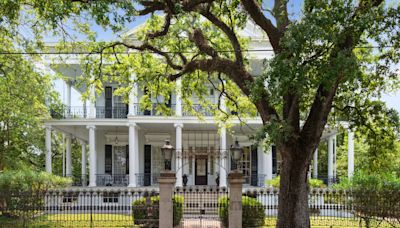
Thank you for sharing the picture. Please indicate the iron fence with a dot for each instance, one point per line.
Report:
(327, 208)
(194, 206)
(79, 208)
(201, 205)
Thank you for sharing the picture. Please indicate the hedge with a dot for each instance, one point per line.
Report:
(253, 212)
(139, 211)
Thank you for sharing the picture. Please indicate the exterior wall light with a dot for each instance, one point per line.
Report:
(236, 153)
(166, 151)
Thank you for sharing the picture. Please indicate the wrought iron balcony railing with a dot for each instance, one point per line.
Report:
(155, 109)
(147, 179)
(112, 179)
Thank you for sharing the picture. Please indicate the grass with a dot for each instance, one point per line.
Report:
(72, 220)
(324, 222)
(122, 220)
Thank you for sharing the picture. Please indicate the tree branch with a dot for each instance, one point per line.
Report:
(255, 12)
(229, 33)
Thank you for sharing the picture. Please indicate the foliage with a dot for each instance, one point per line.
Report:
(30, 181)
(313, 183)
(323, 58)
(22, 190)
(374, 195)
(140, 212)
(253, 212)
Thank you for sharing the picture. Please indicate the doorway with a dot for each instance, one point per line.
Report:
(201, 170)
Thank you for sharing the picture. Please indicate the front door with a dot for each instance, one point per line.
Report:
(201, 170)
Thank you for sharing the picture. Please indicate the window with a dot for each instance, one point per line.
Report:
(120, 160)
(244, 164)
(110, 197)
(70, 198)
(190, 161)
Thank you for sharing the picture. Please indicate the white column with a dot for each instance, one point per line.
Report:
(268, 164)
(92, 99)
(68, 83)
(133, 154)
(178, 106)
(68, 93)
(331, 142)
(178, 157)
(92, 156)
(83, 162)
(223, 158)
(350, 154)
(48, 149)
(262, 164)
(315, 164)
(68, 156)
(133, 97)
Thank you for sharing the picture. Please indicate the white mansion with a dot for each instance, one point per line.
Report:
(124, 140)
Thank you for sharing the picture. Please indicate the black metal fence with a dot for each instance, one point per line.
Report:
(194, 206)
(79, 208)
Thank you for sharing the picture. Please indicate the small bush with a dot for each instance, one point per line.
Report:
(253, 212)
(313, 183)
(21, 190)
(140, 213)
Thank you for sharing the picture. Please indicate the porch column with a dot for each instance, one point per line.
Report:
(350, 154)
(48, 149)
(92, 100)
(262, 165)
(83, 162)
(178, 106)
(133, 154)
(315, 164)
(68, 156)
(331, 145)
(178, 153)
(133, 97)
(92, 155)
(268, 164)
(223, 156)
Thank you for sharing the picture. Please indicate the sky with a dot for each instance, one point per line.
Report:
(392, 99)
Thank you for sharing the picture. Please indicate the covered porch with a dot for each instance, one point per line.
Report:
(128, 153)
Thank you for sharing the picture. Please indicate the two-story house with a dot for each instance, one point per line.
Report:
(124, 140)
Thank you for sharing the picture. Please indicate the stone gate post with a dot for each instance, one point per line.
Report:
(167, 181)
(236, 181)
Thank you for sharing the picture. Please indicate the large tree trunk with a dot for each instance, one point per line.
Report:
(293, 194)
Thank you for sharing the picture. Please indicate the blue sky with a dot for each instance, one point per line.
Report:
(391, 99)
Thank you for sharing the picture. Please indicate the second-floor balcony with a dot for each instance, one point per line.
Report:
(101, 112)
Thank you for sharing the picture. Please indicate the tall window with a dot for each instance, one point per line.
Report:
(245, 165)
(120, 160)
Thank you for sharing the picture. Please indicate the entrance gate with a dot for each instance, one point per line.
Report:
(201, 205)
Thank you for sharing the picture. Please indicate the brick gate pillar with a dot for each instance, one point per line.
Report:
(236, 181)
(166, 181)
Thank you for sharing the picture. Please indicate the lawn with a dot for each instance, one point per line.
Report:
(121, 220)
(73, 220)
(335, 222)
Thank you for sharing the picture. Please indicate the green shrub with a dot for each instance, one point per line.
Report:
(139, 211)
(253, 212)
(313, 183)
(374, 195)
(30, 181)
(21, 190)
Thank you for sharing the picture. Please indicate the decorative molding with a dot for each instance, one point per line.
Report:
(156, 137)
(122, 138)
(178, 125)
(91, 127)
